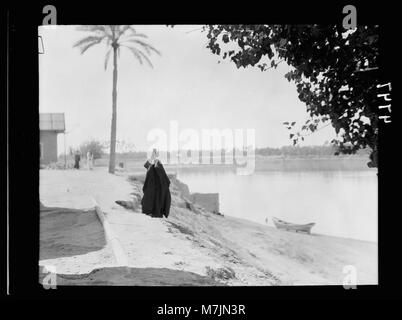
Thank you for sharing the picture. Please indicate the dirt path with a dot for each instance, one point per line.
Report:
(147, 242)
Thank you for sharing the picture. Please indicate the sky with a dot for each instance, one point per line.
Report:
(186, 85)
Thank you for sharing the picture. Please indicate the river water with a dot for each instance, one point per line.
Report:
(341, 203)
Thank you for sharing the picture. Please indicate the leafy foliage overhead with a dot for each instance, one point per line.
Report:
(335, 72)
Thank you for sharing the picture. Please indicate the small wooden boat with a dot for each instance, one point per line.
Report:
(280, 224)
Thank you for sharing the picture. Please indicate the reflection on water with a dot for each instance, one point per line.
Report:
(342, 203)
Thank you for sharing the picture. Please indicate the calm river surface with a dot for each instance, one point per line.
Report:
(341, 203)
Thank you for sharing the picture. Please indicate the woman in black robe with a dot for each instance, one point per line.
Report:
(156, 199)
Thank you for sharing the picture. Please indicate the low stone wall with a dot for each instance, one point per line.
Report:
(209, 201)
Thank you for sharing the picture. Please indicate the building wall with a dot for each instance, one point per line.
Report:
(48, 144)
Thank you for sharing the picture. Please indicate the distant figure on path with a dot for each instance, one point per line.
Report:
(77, 158)
(90, 158)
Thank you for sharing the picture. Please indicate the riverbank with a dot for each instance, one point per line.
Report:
(192, 246)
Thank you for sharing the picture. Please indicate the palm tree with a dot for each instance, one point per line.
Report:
(115, 37)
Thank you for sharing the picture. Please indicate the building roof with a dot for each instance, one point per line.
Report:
(51, 122)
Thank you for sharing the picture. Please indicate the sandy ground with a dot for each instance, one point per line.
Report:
(73, 240)
(188, 248)
(125, 276)
(147, 242)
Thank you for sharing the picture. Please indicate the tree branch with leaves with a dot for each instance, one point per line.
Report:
(335, 72)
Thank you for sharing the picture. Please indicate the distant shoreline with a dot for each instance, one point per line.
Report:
(274, 164)
(262, 163)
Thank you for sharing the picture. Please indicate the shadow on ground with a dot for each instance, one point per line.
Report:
(66, 232)
(125, 276)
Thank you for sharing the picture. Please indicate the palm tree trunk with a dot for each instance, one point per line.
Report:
(112, 159)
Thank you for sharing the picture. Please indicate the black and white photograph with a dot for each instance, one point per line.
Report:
(198, 154)
(208, 155)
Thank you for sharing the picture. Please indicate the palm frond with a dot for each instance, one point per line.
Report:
(129, 37)
(135, 52)
(129, 31)
(148, 48)
(132, 29)
(123, 29)
(86, 40)
(118, 35)
(142, 35)
(109, 41)
(88, 45)
(97, 31)
(109, 32)
(91, 28)
(114, 29)
(140, 55)
(145, 58)
(107, 58)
